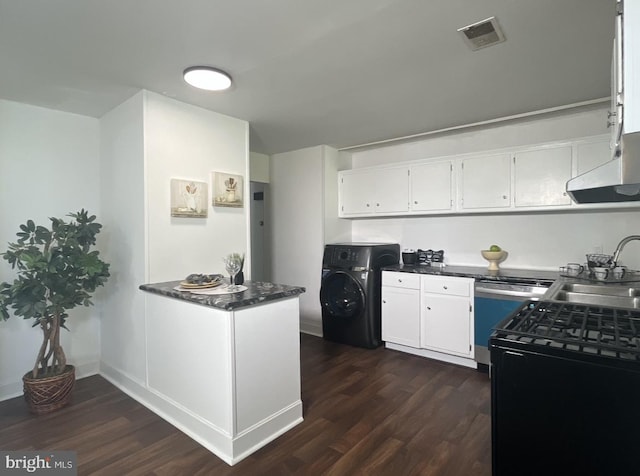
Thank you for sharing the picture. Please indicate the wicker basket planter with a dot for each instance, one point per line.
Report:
(48, 394)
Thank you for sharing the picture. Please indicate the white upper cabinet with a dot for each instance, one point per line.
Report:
(356, 195)
(591, 154)
(523, 178)
(540, 177)
(486, 182)
(369, 191)
(392, 190)
(432, 187)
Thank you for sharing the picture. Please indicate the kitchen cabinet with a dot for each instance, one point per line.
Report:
(432, 186)
(486, 182)
(446, 315)
(369, 191)
(540, 176)
(591, 154)
(401, 308)
(529, 178)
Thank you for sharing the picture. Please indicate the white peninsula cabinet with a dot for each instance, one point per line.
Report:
(430, 316)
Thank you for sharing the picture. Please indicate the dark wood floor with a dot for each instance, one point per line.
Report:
(370, 412)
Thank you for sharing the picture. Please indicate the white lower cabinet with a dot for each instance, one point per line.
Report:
(429, 315)
(446, 315)
(401, 308)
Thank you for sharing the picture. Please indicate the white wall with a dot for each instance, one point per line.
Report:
(533, 240)
(259, 167)
(49, 167)
(297, 216)
(569, 124)
(336, 230)
(123, 207)
(145, 142)
(188, 142)
(304, 211)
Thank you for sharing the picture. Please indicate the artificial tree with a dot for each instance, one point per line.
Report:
(57, 270)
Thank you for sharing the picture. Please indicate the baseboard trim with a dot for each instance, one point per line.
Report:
(14, 389)
(313, 328)
(452, 359)
(226, 447)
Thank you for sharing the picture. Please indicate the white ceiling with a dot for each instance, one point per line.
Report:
(309, 72)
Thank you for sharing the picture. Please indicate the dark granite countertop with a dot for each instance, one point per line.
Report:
(479, 272)
(257, 293)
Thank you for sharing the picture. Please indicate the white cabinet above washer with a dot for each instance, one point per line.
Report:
(432, 187)
(371, 191)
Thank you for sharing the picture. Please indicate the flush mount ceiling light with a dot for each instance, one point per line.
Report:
(206, 77)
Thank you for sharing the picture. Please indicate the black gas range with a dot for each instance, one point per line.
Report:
(566, 376)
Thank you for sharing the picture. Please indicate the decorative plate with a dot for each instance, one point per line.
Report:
(212, 284)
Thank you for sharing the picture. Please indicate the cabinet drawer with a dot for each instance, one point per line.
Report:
(401, 280)
(447, 286)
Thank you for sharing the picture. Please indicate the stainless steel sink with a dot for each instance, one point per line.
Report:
(600, 295)
(603, 289)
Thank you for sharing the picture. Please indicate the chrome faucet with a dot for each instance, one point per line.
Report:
(621, 245)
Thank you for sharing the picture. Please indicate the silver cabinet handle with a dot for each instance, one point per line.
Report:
(428, 308)
(445, 287)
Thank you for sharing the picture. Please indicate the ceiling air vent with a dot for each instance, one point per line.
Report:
(482, 34)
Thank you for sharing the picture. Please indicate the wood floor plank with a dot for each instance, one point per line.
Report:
(366, 411)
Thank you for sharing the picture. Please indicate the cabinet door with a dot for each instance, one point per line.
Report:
(356, 193)
(592, 154)
(541, 177)
(431, 187)
(486, 182)
(391, 190)
(401, 316)
(445, 324)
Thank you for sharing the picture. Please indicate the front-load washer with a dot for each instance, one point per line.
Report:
(350, 291)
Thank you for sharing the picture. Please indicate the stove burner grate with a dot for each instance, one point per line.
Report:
(604, 331)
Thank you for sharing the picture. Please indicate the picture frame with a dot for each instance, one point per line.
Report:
(228, 190)
(189, 198)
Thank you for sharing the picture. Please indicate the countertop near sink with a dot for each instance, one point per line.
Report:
(478, 272)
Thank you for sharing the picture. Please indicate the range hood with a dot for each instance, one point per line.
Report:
(616, 181)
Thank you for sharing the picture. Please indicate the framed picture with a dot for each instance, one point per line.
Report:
(189, 198)
(227, 190)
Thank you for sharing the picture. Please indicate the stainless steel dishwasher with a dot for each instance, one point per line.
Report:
(495, 299)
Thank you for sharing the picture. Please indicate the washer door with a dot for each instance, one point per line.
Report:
(341, 295)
